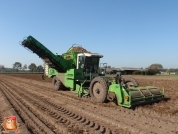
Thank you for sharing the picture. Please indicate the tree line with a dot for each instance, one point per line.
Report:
(32, 67)
(153, 69)
(17, 66)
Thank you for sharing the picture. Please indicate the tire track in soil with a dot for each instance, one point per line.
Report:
(145, 110)
(106, 119)
(167, 107)
(126, 115)
(69, 117)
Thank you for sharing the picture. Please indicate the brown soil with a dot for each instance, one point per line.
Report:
(44, 110)
(78, 49)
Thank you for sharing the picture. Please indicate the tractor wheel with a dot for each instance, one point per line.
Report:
(98, 89)
(130, 82)
(57, 84)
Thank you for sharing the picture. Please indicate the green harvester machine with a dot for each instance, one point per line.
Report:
(79, 71)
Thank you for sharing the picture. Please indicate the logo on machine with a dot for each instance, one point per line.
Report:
(68, 58)
(70, 75)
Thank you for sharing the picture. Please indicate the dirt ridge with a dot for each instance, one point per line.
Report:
(127, 117)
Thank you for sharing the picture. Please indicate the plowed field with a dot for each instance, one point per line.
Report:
(41, 110)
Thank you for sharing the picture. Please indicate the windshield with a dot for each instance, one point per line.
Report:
(89, 64)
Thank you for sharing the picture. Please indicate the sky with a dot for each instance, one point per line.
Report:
(128, 33)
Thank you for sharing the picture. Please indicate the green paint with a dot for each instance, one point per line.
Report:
(78, 80)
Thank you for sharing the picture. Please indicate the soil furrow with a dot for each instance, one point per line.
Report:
(127, 116)
(33, 123)
(60, 111)
(6, 110)
(106, 119)
(123, 118)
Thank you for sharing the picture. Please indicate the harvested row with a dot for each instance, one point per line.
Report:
(32, 123)
(151, 110)
(6, 109)
(39, 107)
(123, 118)
(170, 84)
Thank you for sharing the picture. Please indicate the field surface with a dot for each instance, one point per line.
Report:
(41, 110)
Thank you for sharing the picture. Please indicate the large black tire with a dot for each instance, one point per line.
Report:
(130, 82)
(57, 84)
(98, 90)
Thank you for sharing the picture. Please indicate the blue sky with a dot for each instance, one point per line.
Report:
(129, 33)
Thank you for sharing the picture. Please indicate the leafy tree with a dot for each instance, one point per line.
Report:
(24, 67)
(40, 68)
(176, 70)
(152, 72)
(156, 66)
(173, 70)
(154, 69)
(32, 67)
(164, 69)
(17, 66)
(1, 67)
(139, 72)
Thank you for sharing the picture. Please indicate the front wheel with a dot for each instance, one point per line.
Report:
(98, 89)
(57, 84)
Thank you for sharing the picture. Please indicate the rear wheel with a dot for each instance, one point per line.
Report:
(130, 82)
(57, 84)
(98, 90)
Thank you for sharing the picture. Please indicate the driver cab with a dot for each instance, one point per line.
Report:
(89, 62)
